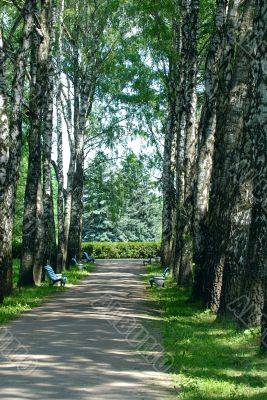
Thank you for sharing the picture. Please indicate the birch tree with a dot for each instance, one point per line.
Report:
(67, 113)
(60, 175)
(206, 132)
(232, 95)
(169, 156)
(11, 138)
(4, 156)
(33, 229)
(181, 262)
(168, 176)
(253, 180)
(49, 222)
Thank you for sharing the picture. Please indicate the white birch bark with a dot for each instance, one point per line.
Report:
(60, 203)
(50, 238)
(7, 208)
(181, 260)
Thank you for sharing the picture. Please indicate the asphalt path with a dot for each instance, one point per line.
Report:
(98, 340)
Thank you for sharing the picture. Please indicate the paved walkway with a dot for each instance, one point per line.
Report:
(96, 341)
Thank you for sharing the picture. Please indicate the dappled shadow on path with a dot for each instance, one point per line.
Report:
(80, 353)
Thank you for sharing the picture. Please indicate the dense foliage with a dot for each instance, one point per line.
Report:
(121, 202)
(122, 249)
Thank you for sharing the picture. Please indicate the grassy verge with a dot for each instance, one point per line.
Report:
(27, 298)
(211, 360)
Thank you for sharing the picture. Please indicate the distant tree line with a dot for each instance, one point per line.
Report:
(121, 203)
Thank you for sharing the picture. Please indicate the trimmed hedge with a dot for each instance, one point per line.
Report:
(122, 249)
(112, 249)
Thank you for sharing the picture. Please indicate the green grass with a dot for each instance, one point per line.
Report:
(27, 298)
(211, 360)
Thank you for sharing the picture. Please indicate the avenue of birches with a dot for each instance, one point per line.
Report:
(84, 82)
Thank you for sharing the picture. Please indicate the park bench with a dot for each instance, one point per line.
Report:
(75, 263)
(159, 280)
(87, 258)
(147, 261)
(54, 278)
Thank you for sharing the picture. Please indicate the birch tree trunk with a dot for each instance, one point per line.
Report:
(254, 181)
(11, 147)
(259, 246)
(67, 210)
(40, 233)
(186, 142)
(49, 224)
(32, 195)
(68, 192)
(254, 283)
(186, 266)
(206, 133)
(232, 94)
(70, 232)
(60, 195)
(180, 143)
(4, 157)
(4, 126)
(168, 185)
(86, 101)
(168, 176)
(242, 169)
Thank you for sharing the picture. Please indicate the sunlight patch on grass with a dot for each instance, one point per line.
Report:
(212, 360)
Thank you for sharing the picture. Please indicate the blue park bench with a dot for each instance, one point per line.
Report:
(87, 258)
(53, 278)
(147, 261)
(159, 280)
(74, 263)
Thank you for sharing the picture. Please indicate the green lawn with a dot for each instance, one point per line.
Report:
(28, 298)
(212, 360)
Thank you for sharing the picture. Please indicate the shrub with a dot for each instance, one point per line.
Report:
(112, 249)
(122, 249)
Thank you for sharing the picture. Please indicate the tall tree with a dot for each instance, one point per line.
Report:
(11, 145)
(181, 261)
(168, 177)
(60, 173)
(49, 222)
(207, 126)
(67, 113)
(4, 156)
(254, 177)
(232, 95)
(32, 249)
